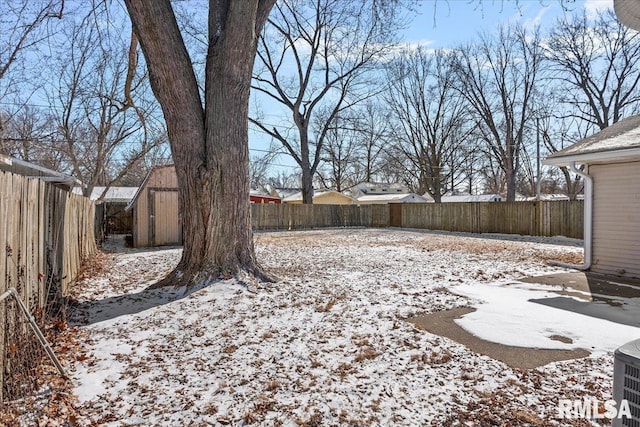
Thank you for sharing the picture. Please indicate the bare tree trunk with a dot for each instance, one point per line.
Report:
(574, 186)
(210, 145)
(510, 176)
(307, 181)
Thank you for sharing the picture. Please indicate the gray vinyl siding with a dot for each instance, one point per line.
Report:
(616, 219)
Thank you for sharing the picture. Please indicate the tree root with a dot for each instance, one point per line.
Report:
(192, 277)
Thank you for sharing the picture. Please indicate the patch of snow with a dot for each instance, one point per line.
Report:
(514, 314)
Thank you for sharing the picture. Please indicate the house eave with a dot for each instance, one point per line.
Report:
(628, 12)
(597, 157)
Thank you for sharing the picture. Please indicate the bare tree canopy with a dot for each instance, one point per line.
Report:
(498, 78)
(93, 115)
(102, 116)
(22, 27)
(599, 66)
(430, 118)
(312, 60)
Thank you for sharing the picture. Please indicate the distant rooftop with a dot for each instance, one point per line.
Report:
(371, 188)
(472, 198)
(392, 198)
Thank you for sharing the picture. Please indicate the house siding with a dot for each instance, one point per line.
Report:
(332, 199)
(326, 199)
(616, 224)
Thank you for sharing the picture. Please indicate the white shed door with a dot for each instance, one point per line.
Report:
(616, 219)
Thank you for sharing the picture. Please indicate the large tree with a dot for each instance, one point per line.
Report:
(498, 76)
(208, 132)
(431, 123)
(312, 61)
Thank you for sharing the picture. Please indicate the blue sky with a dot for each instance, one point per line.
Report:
(448, 23)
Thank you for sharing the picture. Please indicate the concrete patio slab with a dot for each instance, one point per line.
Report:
(442, 323)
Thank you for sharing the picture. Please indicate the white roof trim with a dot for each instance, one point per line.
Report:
(587, 158)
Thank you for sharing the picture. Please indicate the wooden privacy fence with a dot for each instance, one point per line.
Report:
(558, 218)
(45, 234)
(294, 217)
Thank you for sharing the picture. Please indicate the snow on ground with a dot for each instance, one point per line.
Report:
(327, 344)
(530, 323)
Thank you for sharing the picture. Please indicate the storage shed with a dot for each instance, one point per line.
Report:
(156, 217)
(611, 160)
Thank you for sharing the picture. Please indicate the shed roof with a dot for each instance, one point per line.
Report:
(22, 167)
(144, 183)
(114, 194)
(616, 142)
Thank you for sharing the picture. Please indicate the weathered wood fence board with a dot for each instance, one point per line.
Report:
(45, 234)
(297, 217)
(558, 218)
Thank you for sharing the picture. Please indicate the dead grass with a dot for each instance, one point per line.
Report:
(327, 307)
(367, 353)
(440, 358)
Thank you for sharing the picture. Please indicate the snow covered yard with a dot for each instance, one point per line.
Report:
(328, 343)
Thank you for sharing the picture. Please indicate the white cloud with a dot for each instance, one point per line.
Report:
(593, 7)
(413, 45)
(538, 19)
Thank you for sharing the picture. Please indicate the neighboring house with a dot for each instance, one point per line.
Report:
(156, 215)
(257, 196)
(282, 193)
(472, 198)
(31, 170)
(381, 199)
(374, 188)
(611, 170)
(373, 193)
(325, 197)
(547, 198)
